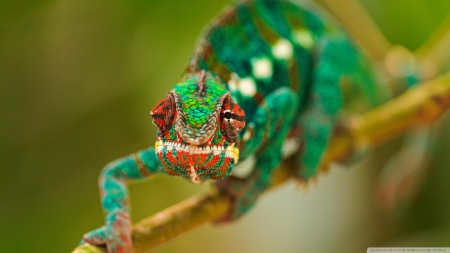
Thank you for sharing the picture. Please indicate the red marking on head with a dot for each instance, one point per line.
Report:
(164, 113)
(232, 119)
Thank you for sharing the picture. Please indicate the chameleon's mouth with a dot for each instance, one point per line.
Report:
(196, 162)
(230, 151)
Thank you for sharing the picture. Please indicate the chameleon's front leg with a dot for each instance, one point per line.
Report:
(116, 234)
(263, 138)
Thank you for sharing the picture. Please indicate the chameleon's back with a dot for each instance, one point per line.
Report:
(258, 46)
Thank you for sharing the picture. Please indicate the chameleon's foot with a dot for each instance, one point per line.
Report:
(95, 237)
(243, 193)
(116, 235)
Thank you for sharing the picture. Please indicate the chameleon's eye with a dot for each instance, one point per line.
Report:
(232, 119)
(227, 115)
(163, 114)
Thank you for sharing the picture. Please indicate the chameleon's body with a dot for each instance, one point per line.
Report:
(262, 72)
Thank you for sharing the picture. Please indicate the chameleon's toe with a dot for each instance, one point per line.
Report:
(116, 236)
(95, 237)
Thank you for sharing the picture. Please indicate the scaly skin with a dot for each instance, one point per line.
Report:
(263, 71)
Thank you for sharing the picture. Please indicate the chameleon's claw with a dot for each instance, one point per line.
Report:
(95, 237)
(116, 236)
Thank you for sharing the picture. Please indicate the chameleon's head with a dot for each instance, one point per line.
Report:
(198, 125)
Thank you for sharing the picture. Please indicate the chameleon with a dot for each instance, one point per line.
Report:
(268, 79)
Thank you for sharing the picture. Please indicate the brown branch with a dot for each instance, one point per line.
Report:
(419, 106)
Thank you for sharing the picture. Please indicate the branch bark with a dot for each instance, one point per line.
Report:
(419, 106)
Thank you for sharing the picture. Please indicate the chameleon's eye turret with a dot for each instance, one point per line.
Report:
(164, 114)
(232, 119)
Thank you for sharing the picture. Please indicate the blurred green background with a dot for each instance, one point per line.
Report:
(77, 82)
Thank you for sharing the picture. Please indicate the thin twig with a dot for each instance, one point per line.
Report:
(419, 106)
(430, 58)
(357, 21)
(434, 54)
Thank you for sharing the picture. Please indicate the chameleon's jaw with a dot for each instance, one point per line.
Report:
(231, 151)
(196, 162)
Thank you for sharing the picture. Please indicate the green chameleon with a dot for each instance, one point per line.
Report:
(268, 79)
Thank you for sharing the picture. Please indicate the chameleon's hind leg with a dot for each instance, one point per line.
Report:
(269, 126)
(324, 102)
(403, 174)
(116, 234)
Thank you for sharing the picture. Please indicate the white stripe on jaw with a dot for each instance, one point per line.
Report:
(231, 151)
